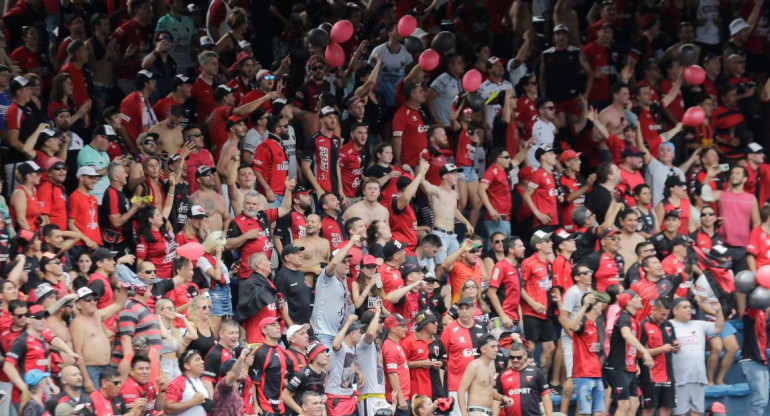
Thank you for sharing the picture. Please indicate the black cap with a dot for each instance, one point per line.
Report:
(681, 240)
(180, 80)
(412, 267)
(561, 235)
(368, 316)
(423, 318)
(291, 249)
(448, 168)
(204, 170)
(102, 253)
(277, 106)
(674, 180)
(632, 151)
(543, 150)
(28, 167)
(18, 82)
(105, 130)
(673, 214)
(327, 111)
(392, 247)
(465, 301)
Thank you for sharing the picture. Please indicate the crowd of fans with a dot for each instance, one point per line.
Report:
(202, 214)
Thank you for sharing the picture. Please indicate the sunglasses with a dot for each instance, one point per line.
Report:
(36, 316)
(115, 383)
(269, 77)
(473, 251)
(371, 266)
(516, 357)
(199, 134)
(149, 271)
(88, 299)
(188, 353)
(707, 214)
(506, 157)
(498, 241)
(148, 142)
(60, 168)
(314, 68)
(20, 315)
(166, 38)
(470, 287)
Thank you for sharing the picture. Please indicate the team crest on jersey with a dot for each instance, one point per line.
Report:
(668, 331)
(529, 379)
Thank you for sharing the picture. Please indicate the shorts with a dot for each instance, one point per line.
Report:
(757, 63)
(623, 383)
(566, 349)
(727, 331)
(689, 397)
(590, 395)
(538, 330)
(221, 301)
(657, 395)
(370, 405)
(572, 106)
(468, 174)
(341, 405)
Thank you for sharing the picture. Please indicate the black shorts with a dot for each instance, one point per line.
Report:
(657, 395)
(538, 330)
(622, 383)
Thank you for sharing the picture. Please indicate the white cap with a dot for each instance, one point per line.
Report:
(419, 33)
(294, 329)
(87, 171)
(737, 25)
(84, 291)
(206, 40)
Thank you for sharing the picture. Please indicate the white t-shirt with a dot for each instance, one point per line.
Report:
(391, 70)
(189, 392)
(543, 133)
(486, 90)
(572, 302)
(656, 176)
(708, 10)
(204, 266)
(332, 304)
(689, 363)
(448, 87)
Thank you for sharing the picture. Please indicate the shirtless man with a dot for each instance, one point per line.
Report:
(443, 202)
(479, 382)
(240, 179)
(148, 147)
(212, 202)
(61, 312)
(564, 14)
(629, 236)
(170, 132)
(613, 117)
(236, 130)
(89, 338)
(368, 209)
(317, 248)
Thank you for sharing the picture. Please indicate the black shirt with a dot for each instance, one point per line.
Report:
(598, 201)
(291, 283)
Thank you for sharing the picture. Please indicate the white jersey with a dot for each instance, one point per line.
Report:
(708, 10)
(492, 89)
(543, 134)
(391, 70)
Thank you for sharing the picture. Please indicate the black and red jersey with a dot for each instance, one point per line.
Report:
(586, 349)
(704, 241)
(214, 359)
(306, 97)
(608, 269)
(726, 122)
(323, 153)
(295, 361)
(525, 387)
(654, 336)
(291, 227)
(62, 397)
(333, 229)
(403, 225)
(306, 380)
(536, 277)
(267, 373)
(506, 277)
(754, 335)
(114, 202)
(460, 343)
(622, 355)
(569, 185)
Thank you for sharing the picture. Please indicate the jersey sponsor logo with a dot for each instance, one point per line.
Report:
(523, 390)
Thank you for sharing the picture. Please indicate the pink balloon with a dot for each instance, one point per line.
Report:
(407, 25)
(763, 276)
(694, 75)
(429, 60)
(335, 56)
(471, 80)
(694, 116)
(342, 31)
(192, 251)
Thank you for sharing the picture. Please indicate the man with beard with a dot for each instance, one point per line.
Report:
(198, 156)
(316, 248)
(504, 288)
(607, 262)
(293, 225)
(270, 162)
(369, 209)
(332, 226)
(356, 112)
(52, 195)
(439, 154)
(418, 347)
(321, 154)
(60, 313)
(243, 82)
(353, 159)
(249, 232)
(280, 107)
(230, 149)
(306, 97)
(212, 201)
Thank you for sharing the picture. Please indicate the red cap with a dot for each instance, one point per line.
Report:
(242, 57)
(623, 300)
(267, 321)
(369, 260)
(36, 309)
(314, 349)
(525, 173)
(568, 154)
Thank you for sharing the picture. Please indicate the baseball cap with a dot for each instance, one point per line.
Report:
(681, 240)
(242, 57)
(147, 136)
(369, 260)
(42, 291)
(233, 120)
(37, 311)
(294, 329)
(102, 253)
(84, 291)
(737, 25)
(243, 45)
(568, 154)
(538, 237)
(267, 321)
(18, 83)
(602, 297)
(105, 130)
(353, 327)
(560, 28)
(673, 213)
(395, 320)
(717, 409)
(625, 297)
(206, 41)
(33, 377)
(197, 212)
(368, 316)
(755, 147)
(29, 167)
(561, 235)
(143, 75)
(278, 105)
(411, 267)
(609, 232)
(291, 249)
(465, 302)
(674, 180)
(448, 168)
(314, 349)
(221, 92)
(327, 111)
(423, 318)
(302, 190)
(392, 247)
(87, 171)
(263, 74)
(192, 8)
(419, 33)
(631, 151)
(525, 173)
(181, 80)
(543, 150)
(668, 144)
(430, 277)
(64, 300)
(203, 171)
(495, 60)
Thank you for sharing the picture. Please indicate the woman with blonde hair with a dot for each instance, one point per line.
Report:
(470, 289)
(227, 45)
(175, 342)
(422, 405)
(218, 278)
(31, 403)
(200, 317)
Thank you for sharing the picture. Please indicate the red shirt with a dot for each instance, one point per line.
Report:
(323, 153)
(132, 33)
(651, 127)
(331, 230)
(394, 361)
(270, 161)
(526, 112)
(759, 246)
(80, 90)
(53, 202)
(536, 275)
(255, 95)
(460, 352)
(33, 212)
(84, 209)
(437, 159)
(351, 169)
(29, 62)
(29, 353)
(570, 185)
(193, 162)
(161, 253)
(131, 391)
(599, 59)
(562, 273)
(102, 406)
(203, 94)
(544, 197)
(499, 191)
(391, 280)
(684, 214)
(162, 106)
(262, 244)
(403, 225)
(133, 108)
(217, 121)
(676, 107)
(419, 378)
(409, 125)
(466, 149)
(505, 277)
(585, 350)
(652, 337)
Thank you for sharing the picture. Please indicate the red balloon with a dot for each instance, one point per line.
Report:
(471, 80)
(694, 116)
(407, 25)
(763, 276)
(342, 31)
(335, 56)
(429, 60)
(694, 75)
(192, 251)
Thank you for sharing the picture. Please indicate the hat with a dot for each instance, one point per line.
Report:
(233, 120)
(102, 253)
(143, 75)
(465, 302)
(430, 277)
(26, 237)
(673, 213)
(609, 232)
(561, 235)
(244, 44)
(33, 377)
(369, 260)
(242, 57)
(525, 173)
(569, 154)
(737, 25)
(294, 329)
(667, 144)
(263, 74)
(538, 237)
(192, 8)
(213, 240)
(29, 167)
(625, 297)
(368, 316)
(327, 111)
(717, 409)
(18, 83)
(277, 106)
(347, 256)
(301, 190)
(391, 248)
(221, 92)
(87, 171)
(681, 240)
(711, 55)
(541, 150)
(141, 342)
(181, 80)
(105, 130)
(228, 365)
(315, 58)
(755, 147)
(423, 318)
(395, 320)
(560, 28)
(267, 321)
(37, 310)
(314, 349)
(602, 297)
(56, 307)
(83, 292)
(674, 180)
(61, 110)
(495, 60)
(448, 168)
(631, 151)
(419, 33)
(196, 211)
(411, 267)
(206, 41)
(143, 137)
(647, 21)
(204, 170)
(291, 249)
(42, 291)
(176, 157)
(353, 327)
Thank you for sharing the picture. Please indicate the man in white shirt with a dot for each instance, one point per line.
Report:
(493, 88)
(394, 59)
(543, 131)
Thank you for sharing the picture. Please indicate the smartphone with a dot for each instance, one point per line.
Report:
(285, 79)
(724, 167)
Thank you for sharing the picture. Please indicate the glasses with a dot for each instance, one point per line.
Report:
(36, 317)
(613, 238)
(473, 251)
(506, 157)
(470, 287)
(205, 307)
(166, 38)
(20, 315)
(148, 142)
(315, 68)
(269, 77)
(585, 273)
(188, 353)
(89, 299)
(115, 383)
(498, 241)
(149, 271)
(60, 168)
(516, 357)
